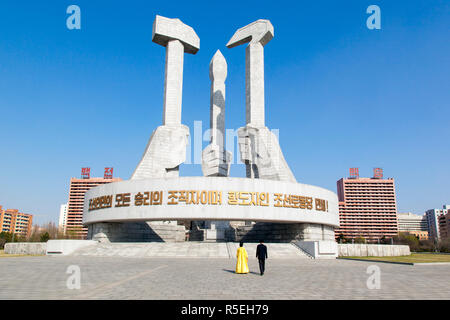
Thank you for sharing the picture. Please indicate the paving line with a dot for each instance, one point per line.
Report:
(108, 286)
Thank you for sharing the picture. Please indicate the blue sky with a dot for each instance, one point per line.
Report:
(340, 94)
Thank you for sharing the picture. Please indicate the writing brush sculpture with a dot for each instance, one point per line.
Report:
(215, 159)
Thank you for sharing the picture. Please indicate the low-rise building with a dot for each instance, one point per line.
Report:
(13, 221)
(422, 235)
(413, 224)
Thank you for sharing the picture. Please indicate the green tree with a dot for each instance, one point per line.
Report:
(360, 239)
(45, 237)
(426, 245)
(444, 245)
(408, 239)
(6, 237)
(384, 240)
(341, 238)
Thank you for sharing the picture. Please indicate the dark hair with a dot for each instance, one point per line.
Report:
(241, 244)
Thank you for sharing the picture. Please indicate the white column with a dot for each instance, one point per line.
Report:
(173, 84)
(254, 84)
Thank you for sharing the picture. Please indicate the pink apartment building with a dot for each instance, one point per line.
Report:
(367, 207)
(78, 188)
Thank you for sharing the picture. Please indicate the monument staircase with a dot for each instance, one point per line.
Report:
(188, 249)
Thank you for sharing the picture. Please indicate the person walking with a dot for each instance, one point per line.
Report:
(242, 259)
(261, 254)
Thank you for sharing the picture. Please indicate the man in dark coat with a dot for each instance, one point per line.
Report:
(261, 254)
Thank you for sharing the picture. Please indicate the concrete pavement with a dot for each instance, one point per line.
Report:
(45, 277)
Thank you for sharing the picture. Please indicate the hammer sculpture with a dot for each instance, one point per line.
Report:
(259, 147)
(215, 159)
(166, 149)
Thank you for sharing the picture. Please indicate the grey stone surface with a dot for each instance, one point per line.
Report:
(311, 231)
(26, 248)
(258, 34)
(167, 29)
(372, 250)
(177, 38)
(269, 232)
(165, 151)
(157, 249)
(189, 249)
(136, 232)
(67, 246)
(282, 232)
(260, 151)
(213, 230)
(274, 250)
(162, 278)
(318, 249)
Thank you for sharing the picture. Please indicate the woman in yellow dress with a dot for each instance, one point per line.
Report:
(242, 259)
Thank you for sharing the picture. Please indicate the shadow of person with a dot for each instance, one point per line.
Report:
(230, 271)
(233, 271)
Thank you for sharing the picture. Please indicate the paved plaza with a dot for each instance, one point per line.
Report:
(45, 277)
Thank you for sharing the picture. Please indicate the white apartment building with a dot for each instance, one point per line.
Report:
(433, 220)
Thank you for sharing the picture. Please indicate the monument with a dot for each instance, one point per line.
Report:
(158, 205)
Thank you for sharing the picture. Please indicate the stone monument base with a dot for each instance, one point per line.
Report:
(171, 231)
(279, 232)
(247, 231)
(157, 231)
